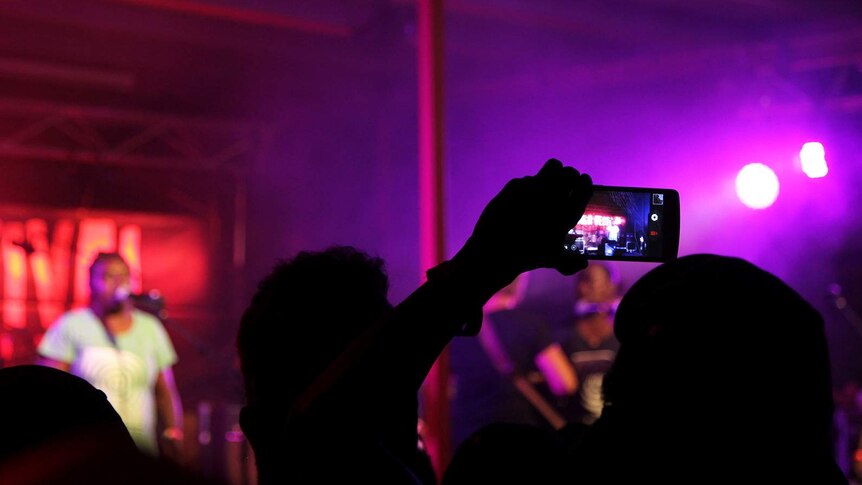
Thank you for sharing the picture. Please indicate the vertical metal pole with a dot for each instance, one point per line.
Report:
(431, 216)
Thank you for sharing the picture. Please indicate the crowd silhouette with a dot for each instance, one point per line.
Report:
(721, 375)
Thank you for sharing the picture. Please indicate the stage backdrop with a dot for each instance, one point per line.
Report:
(46, 254)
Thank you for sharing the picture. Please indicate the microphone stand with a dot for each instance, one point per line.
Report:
(154, 304)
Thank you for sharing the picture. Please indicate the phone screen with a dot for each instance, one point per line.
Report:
(628, 224)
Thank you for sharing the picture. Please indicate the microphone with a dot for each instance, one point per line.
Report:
(121, 294)
(153, 303)
(152, 295)
(150, 302)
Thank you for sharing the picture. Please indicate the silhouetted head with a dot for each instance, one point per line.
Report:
(57, 428)
(721, 364)
(41, 405)
(303, 315)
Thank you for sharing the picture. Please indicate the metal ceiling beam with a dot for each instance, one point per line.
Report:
(114, 137)
(119, 115)
(243, 16)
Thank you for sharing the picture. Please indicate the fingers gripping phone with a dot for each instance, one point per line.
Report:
(628, 224)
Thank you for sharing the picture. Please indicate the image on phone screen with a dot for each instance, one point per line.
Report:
(628, 223)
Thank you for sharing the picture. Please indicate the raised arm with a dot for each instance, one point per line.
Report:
(520, 229)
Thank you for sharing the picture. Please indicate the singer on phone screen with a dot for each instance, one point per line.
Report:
(124, 352)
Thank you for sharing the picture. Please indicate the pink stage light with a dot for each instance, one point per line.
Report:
(757, 186)
(813, 158)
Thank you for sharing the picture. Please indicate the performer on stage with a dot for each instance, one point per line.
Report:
(511, 372)
(124, 352)
(588, 339)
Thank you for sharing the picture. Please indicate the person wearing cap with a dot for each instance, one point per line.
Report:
(124, 352)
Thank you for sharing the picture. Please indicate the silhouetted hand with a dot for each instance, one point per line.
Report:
(524, 226)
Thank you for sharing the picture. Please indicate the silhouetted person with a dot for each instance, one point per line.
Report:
(41, 404)
(332, 373)
(57, 428)
(722, 377)
(303, 315)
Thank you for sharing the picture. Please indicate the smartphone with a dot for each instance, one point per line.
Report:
(628, 224)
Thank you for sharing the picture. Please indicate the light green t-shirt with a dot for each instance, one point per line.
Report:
(126, 373)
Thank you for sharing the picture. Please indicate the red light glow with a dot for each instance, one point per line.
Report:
(15, 277)
(130, 250)
(7, 347)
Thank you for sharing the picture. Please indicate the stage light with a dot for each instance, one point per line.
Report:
(757, 186)
(813, 158)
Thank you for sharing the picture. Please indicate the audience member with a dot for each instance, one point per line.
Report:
(59, 429)
(304, 314)
(332, 373)
(722, 376)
